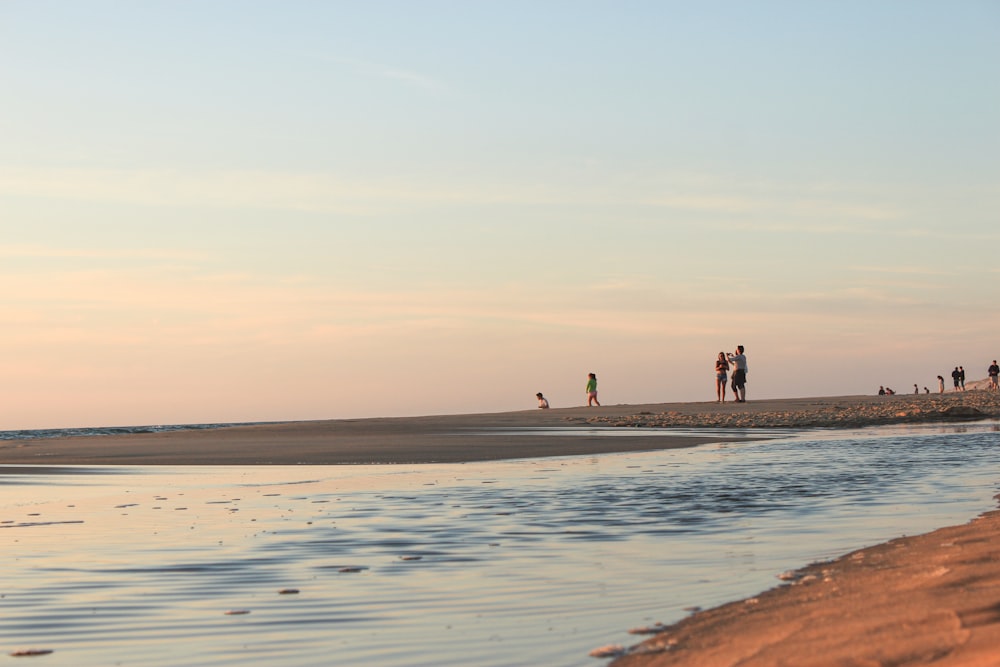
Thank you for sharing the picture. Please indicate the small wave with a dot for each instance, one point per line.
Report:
(50, 433)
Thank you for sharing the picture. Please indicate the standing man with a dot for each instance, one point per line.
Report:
(961, 377)
(955, 378)
(739, 362)
(994, 371)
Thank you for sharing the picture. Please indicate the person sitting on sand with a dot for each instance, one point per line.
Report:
(739, 360)
(881, 390)
(889, 391)
(543, 403)
(592, 390)
(721, 377)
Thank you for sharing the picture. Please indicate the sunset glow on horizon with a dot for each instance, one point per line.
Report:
(255, 211)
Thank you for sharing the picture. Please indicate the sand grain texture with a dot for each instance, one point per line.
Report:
(933, 599)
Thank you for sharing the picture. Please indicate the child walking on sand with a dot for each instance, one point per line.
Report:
(592, 390)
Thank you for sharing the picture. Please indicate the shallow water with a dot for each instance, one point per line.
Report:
(501, 563)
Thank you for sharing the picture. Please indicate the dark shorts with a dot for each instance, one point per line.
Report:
(739, 378)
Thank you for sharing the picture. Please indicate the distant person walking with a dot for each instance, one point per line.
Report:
(543, 402)
(955, 378)
(739, 362)
(993, 372)
(961, 377)
(721, 377)
(940, 384)
(592, 390)
(916, 390)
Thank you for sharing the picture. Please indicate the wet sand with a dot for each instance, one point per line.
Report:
(405, 440)
(930, 599)
(492, 436)
(933, 599)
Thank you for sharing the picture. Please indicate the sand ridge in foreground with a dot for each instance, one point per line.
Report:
(932, 599)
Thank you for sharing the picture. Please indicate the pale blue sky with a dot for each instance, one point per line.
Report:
(231, 210)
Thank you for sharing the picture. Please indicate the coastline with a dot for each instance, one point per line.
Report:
(933, 598)
(921, 600)
(493, 436)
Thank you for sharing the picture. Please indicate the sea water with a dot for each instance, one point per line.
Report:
(527, 562)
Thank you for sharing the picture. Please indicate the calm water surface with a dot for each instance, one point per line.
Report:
(531, 562)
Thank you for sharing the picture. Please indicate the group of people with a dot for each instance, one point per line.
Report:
(958, 377)
(958, 380)
(737, 361)
(889, 391)
(591, 390)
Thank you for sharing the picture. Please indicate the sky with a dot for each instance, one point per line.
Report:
(250, 210)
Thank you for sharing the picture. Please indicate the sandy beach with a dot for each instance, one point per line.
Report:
(491, 436)
(930, 599)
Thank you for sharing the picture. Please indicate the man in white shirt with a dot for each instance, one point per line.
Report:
(739, 361)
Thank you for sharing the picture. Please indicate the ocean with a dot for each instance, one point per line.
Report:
(525, 562)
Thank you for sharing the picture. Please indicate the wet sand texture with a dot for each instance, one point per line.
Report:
(487, 437)
(933, 599)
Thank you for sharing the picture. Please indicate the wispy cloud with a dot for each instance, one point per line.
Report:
(902, 270)
(406, 76)
(34, 251)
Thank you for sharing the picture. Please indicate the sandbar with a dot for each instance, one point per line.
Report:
(930, 599)
(576, 431)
